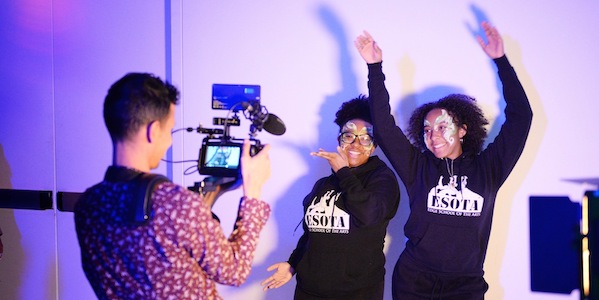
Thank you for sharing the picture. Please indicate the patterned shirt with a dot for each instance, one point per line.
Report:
(179, 254)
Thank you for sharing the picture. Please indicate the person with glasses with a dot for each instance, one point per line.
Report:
(340, 255)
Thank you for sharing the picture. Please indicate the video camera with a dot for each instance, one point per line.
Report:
(220, 153)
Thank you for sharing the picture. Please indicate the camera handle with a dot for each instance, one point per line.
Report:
(209, 184)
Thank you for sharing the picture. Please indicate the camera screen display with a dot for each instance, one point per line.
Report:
(220, 159)
(227, 96)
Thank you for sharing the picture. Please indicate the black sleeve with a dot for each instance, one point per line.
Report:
(394, 143)
(506, 148)
(372, 201)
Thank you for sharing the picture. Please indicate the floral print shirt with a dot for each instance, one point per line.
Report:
(181, 253)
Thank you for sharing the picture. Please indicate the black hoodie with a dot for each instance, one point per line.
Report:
(345, 223)
(449, 226)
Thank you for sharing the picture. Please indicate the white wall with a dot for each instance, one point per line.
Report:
(302, 55)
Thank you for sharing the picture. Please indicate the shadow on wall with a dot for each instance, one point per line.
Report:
(288, 213)
(507, 193)
(13, 259)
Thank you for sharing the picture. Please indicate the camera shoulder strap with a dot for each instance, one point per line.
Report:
(144, 185)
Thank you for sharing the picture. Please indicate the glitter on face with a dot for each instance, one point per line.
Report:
(443, 124)
(450, 128)
(353, 128)
(356, 153)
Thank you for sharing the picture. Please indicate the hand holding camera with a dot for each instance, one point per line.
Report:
(255, 170)
(226, 160)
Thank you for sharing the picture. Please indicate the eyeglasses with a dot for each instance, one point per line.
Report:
(349, 138)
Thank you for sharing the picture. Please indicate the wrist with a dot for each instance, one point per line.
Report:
(252, 192)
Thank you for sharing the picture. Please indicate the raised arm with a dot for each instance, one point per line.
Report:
(388, 135)
(508, 145)
(229, 261)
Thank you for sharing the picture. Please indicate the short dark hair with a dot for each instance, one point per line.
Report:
(135, 100)
(464, 111)
(356, 108)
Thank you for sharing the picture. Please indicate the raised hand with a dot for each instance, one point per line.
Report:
(282, 275)
(494, 46)
(369, 50)
(336, 160)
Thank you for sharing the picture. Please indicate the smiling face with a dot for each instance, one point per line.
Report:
(442, 135)
(356, 141)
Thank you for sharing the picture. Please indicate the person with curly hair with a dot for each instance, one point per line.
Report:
(340, 255)
(452, 183)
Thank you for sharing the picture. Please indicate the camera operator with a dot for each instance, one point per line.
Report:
(180, 252)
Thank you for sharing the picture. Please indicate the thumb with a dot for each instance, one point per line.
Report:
(275, 266)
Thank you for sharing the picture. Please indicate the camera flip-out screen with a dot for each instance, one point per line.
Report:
(219, 158)
(226, 96)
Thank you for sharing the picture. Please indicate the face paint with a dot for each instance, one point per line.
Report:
(450, 127)
(441, 134)
(443, 124)
(357, 154)
(353, 128)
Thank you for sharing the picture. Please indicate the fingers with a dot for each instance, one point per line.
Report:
(246, 148)
(366, 36)
(368, 48)
(493, 46)
(282, 275)
(266, 281)
(490, 31)
(272, 283)
(323, 154)
(357, 44)
(341, 153)
(363, 40)
(272, 268)
(480, 41)
(255, 171)
(265, 150)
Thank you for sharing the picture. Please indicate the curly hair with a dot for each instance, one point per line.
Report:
(464, 110)
(356, 108)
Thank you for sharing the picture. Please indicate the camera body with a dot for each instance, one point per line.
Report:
(222, 158)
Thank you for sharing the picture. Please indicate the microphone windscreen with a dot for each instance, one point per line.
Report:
(274, 125)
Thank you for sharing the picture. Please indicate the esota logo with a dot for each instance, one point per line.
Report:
(323, 216)
(448, 200)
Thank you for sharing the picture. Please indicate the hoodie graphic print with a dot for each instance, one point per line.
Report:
(323, 216)
(448, 200)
